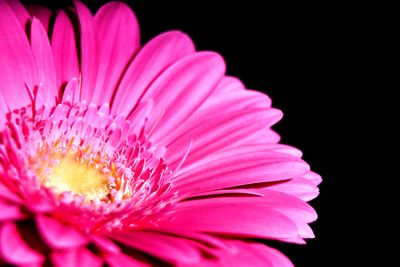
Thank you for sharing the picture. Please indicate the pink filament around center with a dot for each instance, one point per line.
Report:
(137, 190)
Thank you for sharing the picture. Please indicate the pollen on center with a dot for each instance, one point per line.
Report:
(72, 174)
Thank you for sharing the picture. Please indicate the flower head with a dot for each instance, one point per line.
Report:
(112, 153)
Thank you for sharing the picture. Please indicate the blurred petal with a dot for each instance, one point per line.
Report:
(169, 248)
(20, 12)
(75, 257)
(57, 235)
(9, 212)
(122, 260)
(41, 13)
(106, 244)
(6, 194)
(14, 249)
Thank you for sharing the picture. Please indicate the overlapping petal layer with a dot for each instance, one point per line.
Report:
(196, 171)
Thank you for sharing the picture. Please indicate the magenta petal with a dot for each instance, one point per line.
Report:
(230, 95)
(13, 248)
(243, 217)
(236, 167)
(182, 88)
(249, 254)
(75, 257)
(169, 248)
(20, 12)
(313, 178)
(151, 60)
(117, 24)
(41, 13)
(65, 52)
(17, 68)
(210, 241)
(218, 131)
(105, 244)
(140, 115)
(6, 194)
(122, 260)
(71, 92)
(44, 61)
(9, 212)
(236, 191)
(57, 235)
(89, 50)
(298, 187)
(231, 101)
(228, 84)
(297, 210)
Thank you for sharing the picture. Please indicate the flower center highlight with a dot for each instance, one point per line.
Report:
(77, 175)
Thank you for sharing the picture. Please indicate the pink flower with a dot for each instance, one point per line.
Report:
(112, 153)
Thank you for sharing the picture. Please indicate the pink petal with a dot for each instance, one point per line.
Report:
(236, 191)
(64, 45)
(169, 248)
(249, 254)
(297, 210)
(215, 132)
(43, 56)
(89, 50)
(6, 194)
(232, 101)
(57, 235)
(9, 212)
(17, 69)
(20, 12)
(119, 29)
(235, 167)
(122, 260)
(13, 248)
(75, 257)
(269, 136)
(182, 88)
(285, 149)
(221, 106)
(313, 177)
(232, 86)
(211, 241)
(235, 216)
(298, 187)
(71, 92)
(152, 59)
(140, 116)
(41, 13)
(228, 84)
(105, 244)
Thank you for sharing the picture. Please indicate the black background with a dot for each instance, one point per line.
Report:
(304, 57)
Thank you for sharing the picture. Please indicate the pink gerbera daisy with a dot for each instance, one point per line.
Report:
(116, 154)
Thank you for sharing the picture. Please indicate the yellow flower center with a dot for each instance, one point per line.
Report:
(73, 172)
(77, 176)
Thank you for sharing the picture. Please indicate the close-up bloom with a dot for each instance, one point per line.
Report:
(117, 154)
